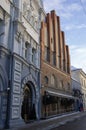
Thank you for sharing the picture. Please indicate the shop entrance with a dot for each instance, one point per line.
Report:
(28, 108)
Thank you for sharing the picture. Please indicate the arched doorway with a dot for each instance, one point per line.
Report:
(0, 101)
(3, 95)
(28, 107)
(3, 103)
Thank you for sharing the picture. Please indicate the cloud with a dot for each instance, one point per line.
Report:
(74, 7)
(72, 18)
(62, 7)
(78, 56)
(83, 1)
(73, 27)
(56, 4)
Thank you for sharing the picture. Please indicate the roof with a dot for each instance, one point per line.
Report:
(74, 68)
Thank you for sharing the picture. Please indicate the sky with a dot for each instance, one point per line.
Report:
(73, 22)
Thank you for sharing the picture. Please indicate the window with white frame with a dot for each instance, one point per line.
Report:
(27, 52)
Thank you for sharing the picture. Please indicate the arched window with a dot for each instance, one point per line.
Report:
(2, 30)
(33, 55)
(46, 79)
(26, 46)
(53, 80)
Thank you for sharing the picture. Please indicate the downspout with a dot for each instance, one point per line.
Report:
(10, 44)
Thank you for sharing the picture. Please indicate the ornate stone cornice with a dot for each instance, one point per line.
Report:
(4, 50)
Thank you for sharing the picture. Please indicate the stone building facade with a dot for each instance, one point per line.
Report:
(56, 93)
(77, 93)
(80, 76)
(20, 23)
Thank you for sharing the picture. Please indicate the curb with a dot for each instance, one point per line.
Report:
(51, 123)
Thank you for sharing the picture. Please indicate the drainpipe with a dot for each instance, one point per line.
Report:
(10, 41)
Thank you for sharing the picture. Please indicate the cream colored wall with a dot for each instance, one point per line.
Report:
(5, 4)
(83, 84)
(80, 76)
(76, 75)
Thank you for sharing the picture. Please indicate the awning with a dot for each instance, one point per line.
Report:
(59, 94)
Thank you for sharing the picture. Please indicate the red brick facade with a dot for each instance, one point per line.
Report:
(55, 66)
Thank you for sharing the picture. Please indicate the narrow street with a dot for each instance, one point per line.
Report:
(72, 121)
(77, 124)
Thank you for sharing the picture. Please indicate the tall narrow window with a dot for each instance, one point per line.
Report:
(33, 55)
(47, 54)
(2, 30)
(46, 79)
(26, 45)
(53, 58)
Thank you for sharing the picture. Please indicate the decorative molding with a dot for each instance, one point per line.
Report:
(4, 49)
(25, 62)
(29, 78)
(16, 87)
(17, 76)
(17, 66)
(4, 76)
(30, 15)
(2, 54)
(16, 100)
(15, 112)
(1, 14)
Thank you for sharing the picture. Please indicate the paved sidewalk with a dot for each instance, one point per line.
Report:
(50, 123)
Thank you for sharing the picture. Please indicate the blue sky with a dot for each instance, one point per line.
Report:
(73, 22)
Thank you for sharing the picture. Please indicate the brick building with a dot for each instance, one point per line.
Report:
(56, 90)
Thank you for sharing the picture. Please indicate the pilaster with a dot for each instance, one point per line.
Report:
(59, 42)
(48, 20)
